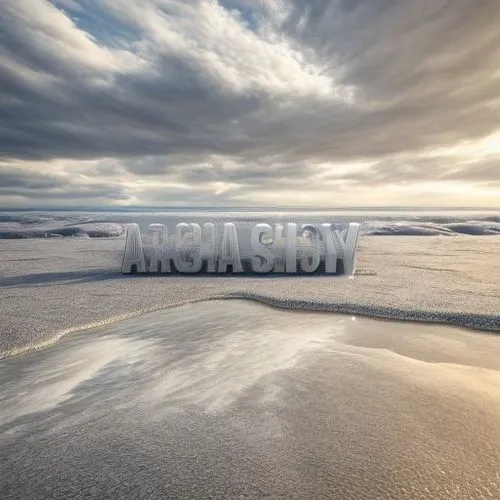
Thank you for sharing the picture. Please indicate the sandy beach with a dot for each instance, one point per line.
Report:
(120, 386)
(49, 287)
(237, 400)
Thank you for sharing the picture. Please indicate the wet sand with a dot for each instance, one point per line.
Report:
(231, 399)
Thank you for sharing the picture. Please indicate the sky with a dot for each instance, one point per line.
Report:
(310, 103)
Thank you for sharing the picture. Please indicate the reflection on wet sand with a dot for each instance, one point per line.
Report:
(233, 399)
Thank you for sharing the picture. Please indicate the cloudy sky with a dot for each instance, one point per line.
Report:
(250, 102)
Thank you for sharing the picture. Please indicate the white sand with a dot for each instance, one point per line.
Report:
(51, 287)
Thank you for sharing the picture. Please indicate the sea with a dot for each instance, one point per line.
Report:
(40, 224)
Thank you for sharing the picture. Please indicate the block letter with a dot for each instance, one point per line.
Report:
(133, 256)
(330, 248)
(348, 246)
(229, 252)
(188, 248)
(291, 248)
(208, 246)
(263, 259)
(311, 254)
(159, 261)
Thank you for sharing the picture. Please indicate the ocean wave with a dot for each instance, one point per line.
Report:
(103, 224)
(105, 230)
(479, 322)
(472, 228)
(409, 229)
(475, 228)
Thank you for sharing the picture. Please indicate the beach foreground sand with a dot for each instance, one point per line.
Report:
(231, 399)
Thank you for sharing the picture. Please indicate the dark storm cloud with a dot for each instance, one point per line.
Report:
(16, 179)
(271, 88)
(425, 69)
(33, 185)
(254, 173)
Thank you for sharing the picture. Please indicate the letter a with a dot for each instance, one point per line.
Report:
(229, 252)
(133, 256)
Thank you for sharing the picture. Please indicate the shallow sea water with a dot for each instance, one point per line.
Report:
(232, 399)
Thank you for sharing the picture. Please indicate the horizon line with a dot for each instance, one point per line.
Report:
(257, 208)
